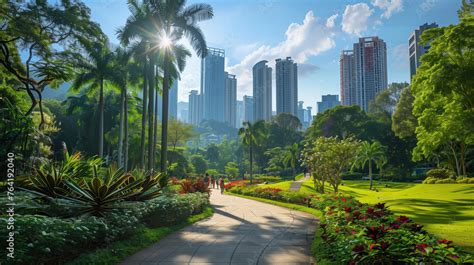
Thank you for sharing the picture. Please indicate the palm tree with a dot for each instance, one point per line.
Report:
(368, 153)
(252, 134)
(95, 70)
(178, 20)
(291, 156)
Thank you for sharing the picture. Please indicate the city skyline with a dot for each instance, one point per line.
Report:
(313, 33)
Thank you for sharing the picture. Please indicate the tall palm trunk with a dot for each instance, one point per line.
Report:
(251, 163)
(125, 112)
(164, 121)
(370, 174)
(120, 140)
(101, 118)
(155, 131)
(145, 95)
(151, 115)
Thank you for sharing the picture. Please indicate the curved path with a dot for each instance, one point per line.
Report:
(296, 185)
(241, 231)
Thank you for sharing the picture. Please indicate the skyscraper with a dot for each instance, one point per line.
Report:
(195, 108)
(310, 115)
(301, 111)
(240, 113)
(213, 84)
(327, 102)
(368, 64)
(248, 108)
(286, 76)
(173, 111)
(347, 78)
(183, 108)
(415, 49)
(230, 100)
(173, 102)
(262, 91)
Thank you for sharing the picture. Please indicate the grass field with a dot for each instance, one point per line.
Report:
(446, 210)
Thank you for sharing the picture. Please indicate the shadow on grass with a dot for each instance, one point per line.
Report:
(435, 211)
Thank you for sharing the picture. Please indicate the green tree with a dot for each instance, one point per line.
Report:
(384, 104)
(290, 157)
(403, 121)
(443, 91)
(199, 163)
(48, 34)
(232, 169)
(369, 153)
(93, 72)
(252, 134)
(328, 158)
(180, 133)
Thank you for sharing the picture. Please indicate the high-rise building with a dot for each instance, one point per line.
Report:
(368, 63)
(347, 78)
(328, 102)
(262, 91)
(310, 116)
(301, 111)
(195, 108)
(230, 100)
(173, 103)
(248, 108)
(183, 108)
(240, 113)
(286, 75)
(213, 84)
(416, 49)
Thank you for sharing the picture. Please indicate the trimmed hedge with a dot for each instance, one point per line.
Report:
(48, 240)
(450, 180)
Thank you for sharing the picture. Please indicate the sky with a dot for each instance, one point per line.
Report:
(313, 33)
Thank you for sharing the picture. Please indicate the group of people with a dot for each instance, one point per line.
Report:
(214, 182)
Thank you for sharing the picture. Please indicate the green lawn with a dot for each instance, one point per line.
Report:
(446, 210)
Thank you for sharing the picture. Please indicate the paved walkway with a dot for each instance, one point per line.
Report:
(241, 231)
(296, 185)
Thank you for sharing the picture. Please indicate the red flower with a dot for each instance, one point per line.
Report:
(347, 209)
(445, 241)
(380, 206)
(422, 247)
(375, 232)
(358, 248)
(403, 219)
(416, 227)
(384, 245)
(374, 246)
(394, 226)
(370, 210)
(343, 199)
(356, 214)
(353, 232)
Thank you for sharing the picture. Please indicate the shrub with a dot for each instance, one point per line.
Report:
(356, 233)
(265, 178)
(166, 210)
(439, 173)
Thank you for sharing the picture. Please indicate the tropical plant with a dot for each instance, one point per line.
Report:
(93, 72)
(252, 134)
(102, 192)
(291, 156)
(369, 153)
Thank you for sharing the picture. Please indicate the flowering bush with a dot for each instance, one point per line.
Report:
(356, 233)
(237, 183)
(192, 186)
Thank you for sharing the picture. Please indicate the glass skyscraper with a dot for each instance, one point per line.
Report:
(286, 76)
(262, 91)
(213, 85)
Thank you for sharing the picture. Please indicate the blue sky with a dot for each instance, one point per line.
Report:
(312, 32)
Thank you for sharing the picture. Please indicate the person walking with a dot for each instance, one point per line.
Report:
(222, 185)
(213, 182)
(206, 180)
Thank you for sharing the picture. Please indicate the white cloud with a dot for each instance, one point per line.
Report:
(400, 56)
(427, 5)
(388, 6)
(331, 21)
(310, 38)
(356, 18)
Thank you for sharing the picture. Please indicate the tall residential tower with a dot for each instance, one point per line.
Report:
(230, 100)
(213, 85)
(262, 91)
(416, 49)
(368, 65)
(286, 75)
